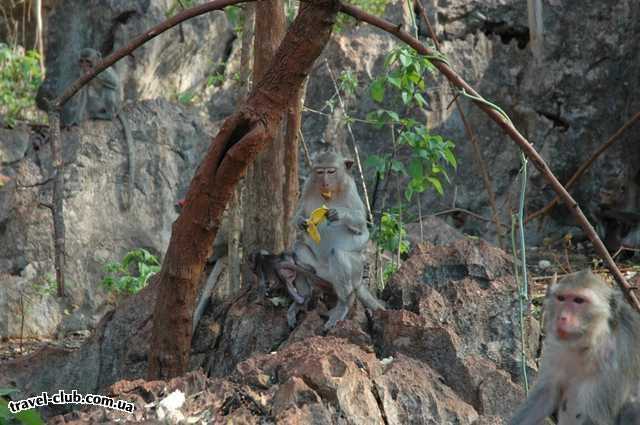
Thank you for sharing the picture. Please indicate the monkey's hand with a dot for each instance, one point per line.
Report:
(302, 224)
(332, 215)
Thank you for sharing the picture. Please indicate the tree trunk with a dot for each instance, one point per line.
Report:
(268, 195)
(242, 136)
(234, 283)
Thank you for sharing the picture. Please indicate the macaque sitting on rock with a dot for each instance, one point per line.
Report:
(332, 238)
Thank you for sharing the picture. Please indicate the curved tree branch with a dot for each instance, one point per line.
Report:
(511, 131)
(250, 129)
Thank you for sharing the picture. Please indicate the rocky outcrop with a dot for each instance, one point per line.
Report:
(444, 353)
(174, 62)
(169, 142)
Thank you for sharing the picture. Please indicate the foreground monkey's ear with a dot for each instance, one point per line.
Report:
(348, 163)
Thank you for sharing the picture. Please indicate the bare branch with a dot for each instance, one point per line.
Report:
(40, 183)
(584, 167)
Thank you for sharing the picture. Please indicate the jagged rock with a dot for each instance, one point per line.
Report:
(174, 62)
(439, 360)
(413, 393)
(247, 328)
(435, 231)
(117, 350)
(464, 289)
(169, 141)
(13, 145)
(490, 420)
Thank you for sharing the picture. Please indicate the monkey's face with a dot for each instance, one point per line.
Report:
(327, 179)
(85, 65)
(572, 312)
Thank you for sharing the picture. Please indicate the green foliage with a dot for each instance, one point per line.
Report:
(187, 97)
(348, 83)
(375, 7)
(25, 417)
(429, 154)
(235, 18)
(47, 286)
(391, 234)
(216, 79)
(179, 5)
(388, 271)
(405, 70)
(120, 279)
(20, 77)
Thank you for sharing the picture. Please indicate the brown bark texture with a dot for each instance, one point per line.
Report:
(242, 136)
(263, 209)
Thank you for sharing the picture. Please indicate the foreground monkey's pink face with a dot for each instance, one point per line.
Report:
(572, 310)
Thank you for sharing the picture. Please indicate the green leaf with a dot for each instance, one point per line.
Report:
(377, 162)
(394, 81)
(415, 169)
(377, 91)
(408, 193)
(450, 158)
(406, 97)
(393, 116)
(405, 59)
(422, 102)
(5, 413)
(7, 391)
(436, 184)
(398, 167)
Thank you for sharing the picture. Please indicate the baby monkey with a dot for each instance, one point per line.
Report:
(590, 369)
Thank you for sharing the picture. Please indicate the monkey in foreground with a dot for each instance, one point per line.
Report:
(338, 256)
(590, 370)
(100, 99)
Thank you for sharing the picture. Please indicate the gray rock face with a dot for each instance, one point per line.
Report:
(465, 294)
(178, 60)
(567, 104)
(169, 143)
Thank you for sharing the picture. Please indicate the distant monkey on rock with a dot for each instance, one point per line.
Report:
(331, 245)
(101, 99)
(590, 371)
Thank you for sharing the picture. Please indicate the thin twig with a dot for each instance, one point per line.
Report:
(505, 123)
(40, 183)
(523, 285)
(584, 167)
(355, 144)
(57, 209)
(464, 211)
(305, 148)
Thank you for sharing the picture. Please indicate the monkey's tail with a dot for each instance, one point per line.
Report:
(129, 178)
(369, 300)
